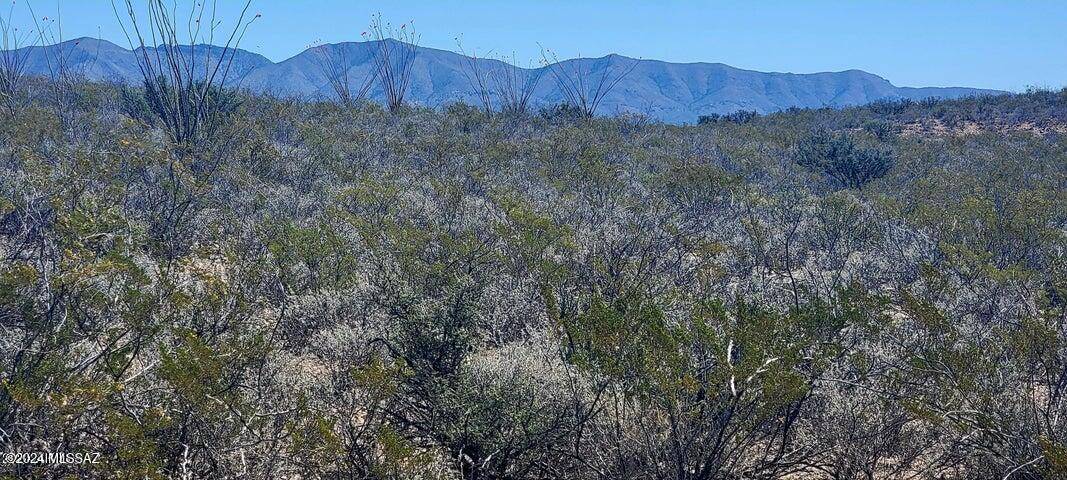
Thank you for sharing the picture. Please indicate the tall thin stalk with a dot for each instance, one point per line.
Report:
(334, 64)
(511, 86)
(394, 57)
(477, 77)
(583, 89)
(514, 86)
(188, 101)
(63, 78)
(14, 56)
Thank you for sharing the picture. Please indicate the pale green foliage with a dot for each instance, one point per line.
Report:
(324, 291)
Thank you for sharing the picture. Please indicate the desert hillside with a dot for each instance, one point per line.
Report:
(298, 289)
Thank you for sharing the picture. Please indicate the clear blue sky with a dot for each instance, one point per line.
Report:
(994, 44)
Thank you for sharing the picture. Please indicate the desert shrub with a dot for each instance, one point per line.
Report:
(843, 160)
(155, 104)
(741, 116)
(563, 112)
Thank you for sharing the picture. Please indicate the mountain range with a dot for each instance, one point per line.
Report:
(672, 92)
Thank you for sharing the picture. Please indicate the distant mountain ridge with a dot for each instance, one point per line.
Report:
(672, 92)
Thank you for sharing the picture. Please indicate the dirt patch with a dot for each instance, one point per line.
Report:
(940, 128)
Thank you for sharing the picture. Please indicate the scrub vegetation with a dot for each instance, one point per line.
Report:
(274, 288)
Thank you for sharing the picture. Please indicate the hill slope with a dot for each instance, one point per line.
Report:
(673, 92)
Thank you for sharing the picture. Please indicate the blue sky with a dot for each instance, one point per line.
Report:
(993, 44)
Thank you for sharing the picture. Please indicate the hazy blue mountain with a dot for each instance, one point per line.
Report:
(674, 92)
(103, 60)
